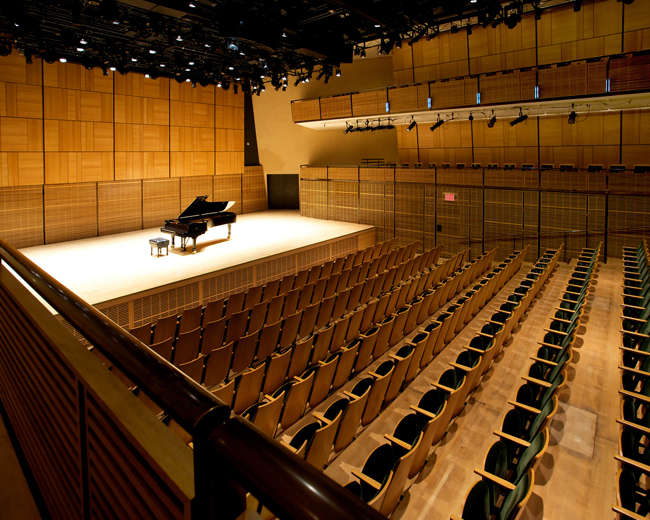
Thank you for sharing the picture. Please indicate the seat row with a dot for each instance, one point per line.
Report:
(507, 476)
(357, 266)
(634, 470)
(312, 369)
(382, 479)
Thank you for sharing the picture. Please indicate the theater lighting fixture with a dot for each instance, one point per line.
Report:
(491, 122)
(437, 124)
(348, 128)
(572, 117)
(520, 119)
(411, 126)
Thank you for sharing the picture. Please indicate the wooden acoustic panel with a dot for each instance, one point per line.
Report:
(77, 105)
(141, 110)
(21, 168)
(229, 117)
(141, 138)
(369, 103)
(229, 140)
(192, 187)
(141, 165)
(183, 113)
(228, 163)
(313, 172)
(76, 77)
(78, 136)
(377, 174)
(70, 212)
(185, 92)
(21, 216)
(188, 139)
(18, 100)
(19, 134)
(139, 86)
(160, 199)
(191, 164)
(229, 98)
(307, 110)
(254, 190)
(337, 106)
(338, 173)
(228, 187)
(14, 69)
(67, 167)
(119, 207)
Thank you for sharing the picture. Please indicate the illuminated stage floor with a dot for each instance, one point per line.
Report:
(107, 268)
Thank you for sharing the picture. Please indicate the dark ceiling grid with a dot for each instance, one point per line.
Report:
(247, 44)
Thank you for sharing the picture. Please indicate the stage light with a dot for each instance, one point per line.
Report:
(338, 73)
(363, 53)
(437, 124)
(28, 58)
(5, 50)
(520, 119)
(219, 84)
(469, 30)
(104, 70)
(577, 5)
(193, 84)
(62, 60)
(572, 117)
(152, 51)
(411, 126)
(471, 117)
(348, 128)
(192, 4)
(83, 41)
(80, 49)
(296, 83)
(491, 122)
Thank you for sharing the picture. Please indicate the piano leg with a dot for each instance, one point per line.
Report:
(229, 229)
(193, 245)
(173, 241)
(183, 243)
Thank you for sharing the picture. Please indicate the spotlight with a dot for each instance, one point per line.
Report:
(219, 84)
(297, 82)
(62, 60)
(471, 117)
(192, 4)
(437, 124)
(104, 70)
(193, 84)
(113, 69)
(348, 128)
(363, 53)
(491, 122)
(83, 41)
(572, 117)
(577, 5)
(80, 49)
(520, 119)
(232, 44)
(152, 51)
(469, 30)
(411, 126)
(5, 50)
(234, 88)
(338, 73)
(28, 58)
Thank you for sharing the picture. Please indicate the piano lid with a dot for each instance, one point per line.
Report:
(201, 208)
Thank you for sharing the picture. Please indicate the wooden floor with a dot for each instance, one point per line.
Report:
(105, 268)
(576, 476)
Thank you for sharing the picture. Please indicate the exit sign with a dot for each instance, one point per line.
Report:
(451, 197)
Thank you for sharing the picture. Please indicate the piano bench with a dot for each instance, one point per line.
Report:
(159, 243)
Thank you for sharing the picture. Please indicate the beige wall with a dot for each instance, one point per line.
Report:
(284, 146)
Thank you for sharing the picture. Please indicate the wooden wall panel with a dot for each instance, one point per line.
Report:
(182, 113)
(138, 85)
(141, 165)
(78, 136)
(307, 110)
(185, 92)
(141, 110)
(228, 187)
(369, 103)
(18, 100)
(21, 168)
(119, 207)
(228, 163)
(409, 209)
(191, 164)
(142, 138)
(160, 198)
(18, 134)
(192, 187)
(70, 211)
(192, 139)
(254, 190)
(13, 69)
(21, 216)
(70, 167)
(74, 76)
(229, 117)
(77, 105)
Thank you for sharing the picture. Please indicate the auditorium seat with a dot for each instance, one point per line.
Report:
(325, 371)
(276, 373)
(214, 334)
(235, 303)
(244, 352)
(225, 392)
(345, 363)
(320, 447)
(266, 413)
(248, 386)
(165, 328)
(295, 402)
(190, 319)
(217, 365)
(164, 349)
(381, 375)
(187, 346)
(143, 333)
(193, 369)
(213, 311)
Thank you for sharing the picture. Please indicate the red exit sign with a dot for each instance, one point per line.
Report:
(451, 197)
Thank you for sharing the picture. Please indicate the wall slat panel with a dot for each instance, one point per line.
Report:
(21, 216)
(228, 187)
(70, 212)
(119, 207)
(160, 201)
(254, 190)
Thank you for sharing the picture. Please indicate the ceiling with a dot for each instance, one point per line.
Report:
(244, 43)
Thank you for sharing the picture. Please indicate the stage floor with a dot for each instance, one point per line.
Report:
(102, 269)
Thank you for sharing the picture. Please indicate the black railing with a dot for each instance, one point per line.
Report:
(230, 451)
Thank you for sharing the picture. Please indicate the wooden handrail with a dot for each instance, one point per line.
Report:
(188, 403)
(281, 480)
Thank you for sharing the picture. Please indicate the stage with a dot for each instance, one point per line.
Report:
(118, 275)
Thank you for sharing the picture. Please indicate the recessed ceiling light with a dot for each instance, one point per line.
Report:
(134, 59)
(231, 68)
(80, 49)
(113, 68)
(163, 65)
(152, 51)
(191, 63)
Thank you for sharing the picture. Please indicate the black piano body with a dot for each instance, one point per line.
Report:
(197, 218)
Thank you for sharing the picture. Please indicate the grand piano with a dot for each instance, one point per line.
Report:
(197, 218)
